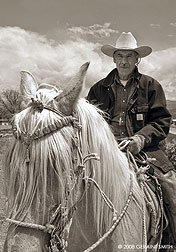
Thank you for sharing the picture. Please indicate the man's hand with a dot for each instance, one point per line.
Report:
(136, 144)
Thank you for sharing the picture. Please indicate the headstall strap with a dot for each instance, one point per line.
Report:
(28, 138)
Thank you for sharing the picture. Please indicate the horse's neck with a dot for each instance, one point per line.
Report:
(25, 239)
(83, 232)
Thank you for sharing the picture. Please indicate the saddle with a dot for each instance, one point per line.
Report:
(151, 188)
(161, 229)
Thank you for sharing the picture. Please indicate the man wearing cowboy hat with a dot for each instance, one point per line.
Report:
(136, 107)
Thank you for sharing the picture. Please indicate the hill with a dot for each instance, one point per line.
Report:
(171, 105)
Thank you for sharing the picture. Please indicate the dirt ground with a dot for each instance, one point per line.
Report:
(4, 145)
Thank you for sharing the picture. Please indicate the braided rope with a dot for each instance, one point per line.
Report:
(116, 220)
(151, 207)
(144, 240)
(50, 128)
(123, 144)
(140, 176)
(30, 225)
(104, 196)
(2, 135)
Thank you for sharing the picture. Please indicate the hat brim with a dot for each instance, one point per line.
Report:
(143, 51)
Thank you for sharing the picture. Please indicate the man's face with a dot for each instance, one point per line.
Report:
(125, 62)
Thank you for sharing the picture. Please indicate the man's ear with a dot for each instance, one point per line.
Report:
(138, 60)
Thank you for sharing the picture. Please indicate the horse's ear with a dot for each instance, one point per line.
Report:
(68, 98)
(28, 84)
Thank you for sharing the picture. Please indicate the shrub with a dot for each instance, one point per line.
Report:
(171, 151)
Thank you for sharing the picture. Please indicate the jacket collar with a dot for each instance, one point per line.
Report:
(110, 78)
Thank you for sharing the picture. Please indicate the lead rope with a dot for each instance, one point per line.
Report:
(116, 219)
(140, 172)
(144, 223)
(6, 135)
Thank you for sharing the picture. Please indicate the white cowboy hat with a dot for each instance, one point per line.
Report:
(126, 41)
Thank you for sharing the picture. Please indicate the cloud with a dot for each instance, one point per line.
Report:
(49, 61)
(155, 25)
(161, 65)
(56, 63)
(173, 24)
(95, 30)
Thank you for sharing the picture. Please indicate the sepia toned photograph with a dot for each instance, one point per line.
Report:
(87, 125)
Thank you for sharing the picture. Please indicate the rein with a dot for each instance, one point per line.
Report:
(140, 163)
(59, 233)
(116, 219)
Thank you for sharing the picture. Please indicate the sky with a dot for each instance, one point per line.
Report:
(53, 38)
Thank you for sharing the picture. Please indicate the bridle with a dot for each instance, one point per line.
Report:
(60, 222)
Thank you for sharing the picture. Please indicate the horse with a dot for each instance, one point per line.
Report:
(69, 185)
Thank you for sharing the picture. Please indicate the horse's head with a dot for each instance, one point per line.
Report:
(46, 137)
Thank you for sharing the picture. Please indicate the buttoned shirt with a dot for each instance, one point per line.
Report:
(121, 95)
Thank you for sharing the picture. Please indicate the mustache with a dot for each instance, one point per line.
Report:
(126, 65)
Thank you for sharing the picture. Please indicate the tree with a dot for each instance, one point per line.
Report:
(171, 151)
(10, 101)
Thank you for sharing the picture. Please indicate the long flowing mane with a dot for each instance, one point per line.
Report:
(112, 173)
(42, 181)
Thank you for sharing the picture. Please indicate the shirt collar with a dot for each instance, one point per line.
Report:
(113, 75)
(134, 76)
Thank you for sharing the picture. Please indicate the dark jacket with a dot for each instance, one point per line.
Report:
(147, 98)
